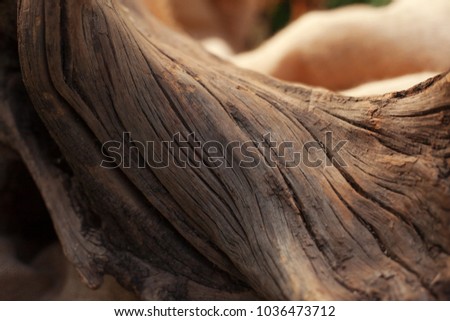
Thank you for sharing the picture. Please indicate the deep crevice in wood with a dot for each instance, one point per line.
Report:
(303, 233)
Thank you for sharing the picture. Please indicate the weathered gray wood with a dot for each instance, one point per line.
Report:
(377, 228)
(74, 216)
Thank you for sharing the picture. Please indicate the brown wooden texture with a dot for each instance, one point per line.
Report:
(373, 225)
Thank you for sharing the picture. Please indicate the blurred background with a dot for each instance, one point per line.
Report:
(243, 24)
(285, 11)
(340, 45)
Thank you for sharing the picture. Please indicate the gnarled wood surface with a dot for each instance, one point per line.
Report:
(374, 226)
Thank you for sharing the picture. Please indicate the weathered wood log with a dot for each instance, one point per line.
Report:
(75, 220)
(366, 220)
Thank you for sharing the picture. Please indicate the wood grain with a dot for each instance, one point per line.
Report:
(375, 226)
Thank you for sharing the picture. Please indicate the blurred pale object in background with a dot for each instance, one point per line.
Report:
(389, 85)
(346, 47)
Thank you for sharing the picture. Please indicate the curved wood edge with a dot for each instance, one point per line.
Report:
(373, 227)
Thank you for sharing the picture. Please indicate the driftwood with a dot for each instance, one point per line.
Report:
(370, 220)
